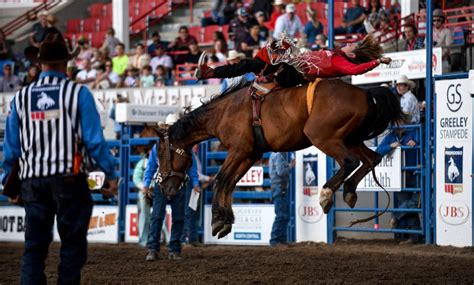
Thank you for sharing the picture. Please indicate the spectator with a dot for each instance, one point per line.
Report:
(120, 60)
(117, 127)
(132, 79)
(408, 137)
(86, 75)
(5, 50)
(159, 207)
(85, 53)
(161, 59)
(110, 42)
(375, 14)
(213, 61)
(9, 82)
(221, 14)
(239, 27)
(190, 231)
(31, 75)
(252, 41)
(278, 10)
(279, 169)
(353, 20)
(156, 41)
(183, 41)
(263, 6)
(192, 57)
(288, 24)
(385, 35)
(413, 42)
(264, 33)
(97, 59)
(71, 72)
(144, 202)
(39, 29)
(219, 50)
(442, 37)
(218, 35)
(422, 22)
(161, 78)
(321, 42)
(312, 28)
(147, 79)
(51, 22)
(108, 78)
(140, 59)
(235, 57)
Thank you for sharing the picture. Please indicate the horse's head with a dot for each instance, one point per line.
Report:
(451, 161)
(173, 164)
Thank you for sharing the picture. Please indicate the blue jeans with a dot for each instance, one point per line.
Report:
(158, 216)
(71, 202)
(281, 200)
(143, 219)
(190, 233)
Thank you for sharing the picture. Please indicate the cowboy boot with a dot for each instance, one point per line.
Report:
(203, 71)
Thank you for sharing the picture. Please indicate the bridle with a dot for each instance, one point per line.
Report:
(169, 172)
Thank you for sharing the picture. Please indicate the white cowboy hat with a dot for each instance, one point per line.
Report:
(279, 2)
(403, 79)
(171, 119)
(290, 8)
(234, 55)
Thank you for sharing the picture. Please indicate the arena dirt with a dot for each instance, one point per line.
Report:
(347, 261)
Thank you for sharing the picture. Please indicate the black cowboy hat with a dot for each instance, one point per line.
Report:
(53, 49)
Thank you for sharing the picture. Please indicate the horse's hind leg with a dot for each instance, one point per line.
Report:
(234, 167)
(337, 149)
(369, 159)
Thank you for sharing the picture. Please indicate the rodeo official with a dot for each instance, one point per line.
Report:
(51, 132)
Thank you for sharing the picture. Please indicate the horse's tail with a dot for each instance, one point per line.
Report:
(384, 108)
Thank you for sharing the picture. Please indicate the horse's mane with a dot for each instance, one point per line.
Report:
(190, 120)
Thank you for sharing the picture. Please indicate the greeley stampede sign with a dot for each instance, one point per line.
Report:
(454, 162)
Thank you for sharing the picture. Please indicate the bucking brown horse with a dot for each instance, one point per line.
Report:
(342, 117)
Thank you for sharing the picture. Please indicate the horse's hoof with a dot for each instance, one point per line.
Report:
(350, 198)
(216, 228)
(225, 231)
(325, 199)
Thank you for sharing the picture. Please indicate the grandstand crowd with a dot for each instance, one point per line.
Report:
(239, 29)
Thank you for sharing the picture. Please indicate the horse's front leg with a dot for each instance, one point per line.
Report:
(234, 167)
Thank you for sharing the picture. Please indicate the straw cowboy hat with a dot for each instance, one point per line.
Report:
(234, 55)
(52, 50)
(403, 79)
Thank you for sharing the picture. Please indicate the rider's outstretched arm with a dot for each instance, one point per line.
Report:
(244, 66)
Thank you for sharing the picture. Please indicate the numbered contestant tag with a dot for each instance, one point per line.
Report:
(96, 180)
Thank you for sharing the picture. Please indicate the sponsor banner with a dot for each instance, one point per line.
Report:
(134, 113)
(409, 63)
(311, 222)
(253, 225)
(253, 177)
(103, 225)
(12, 223)
(454, 158)
(132, 220)
(388, 172)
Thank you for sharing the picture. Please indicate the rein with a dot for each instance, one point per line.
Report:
(163, 175)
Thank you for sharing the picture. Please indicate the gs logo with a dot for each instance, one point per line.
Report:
(453, 96)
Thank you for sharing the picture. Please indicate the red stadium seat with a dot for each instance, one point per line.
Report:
(90, 25)
(162, 10)
(107, 10)
(196, 32)
(96, 10)
(74, 26)
(105, 23)
(97, 39)
(209, 32)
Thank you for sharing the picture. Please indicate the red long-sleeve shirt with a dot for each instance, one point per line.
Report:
(327, 63)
